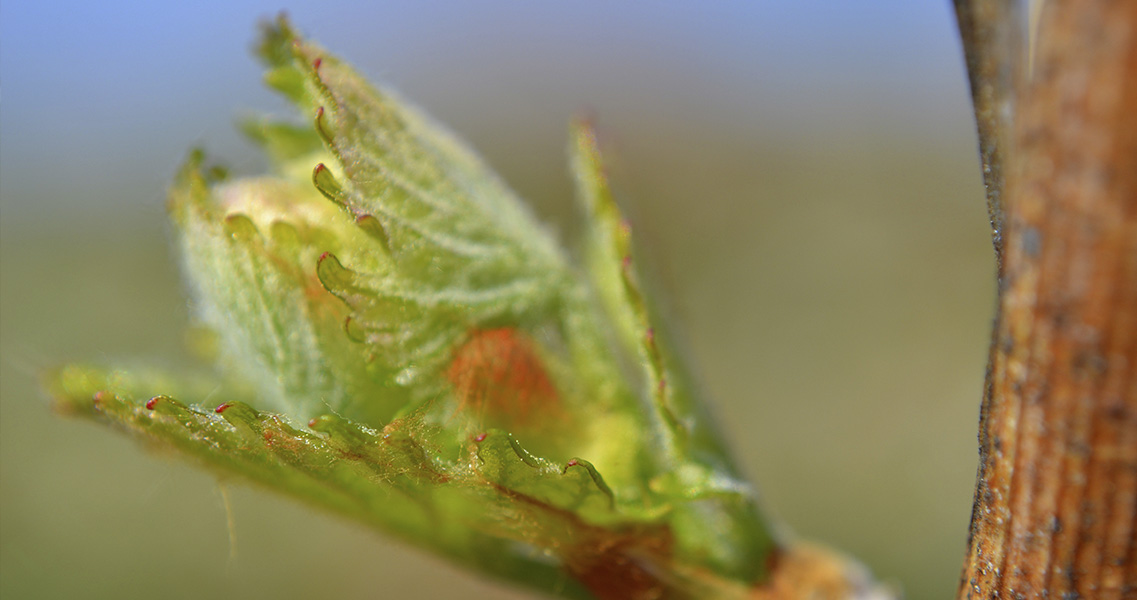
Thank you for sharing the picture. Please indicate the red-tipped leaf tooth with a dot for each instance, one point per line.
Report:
(355, 332)
(333, 275)
(239, 224)
(321, 128)
(241, 416)
(338, 279)
(327, 184)
(373, 227)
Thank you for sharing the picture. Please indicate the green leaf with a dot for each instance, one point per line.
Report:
(251, 248)
(499, 508)
(385, 478)
(696, 474)
(464, 386)
(575, 487)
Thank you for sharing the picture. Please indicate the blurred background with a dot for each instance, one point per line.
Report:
(802, 174)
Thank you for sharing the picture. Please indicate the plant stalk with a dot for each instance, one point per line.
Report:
(1056, 495)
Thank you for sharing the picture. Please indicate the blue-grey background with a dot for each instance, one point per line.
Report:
(802, 173)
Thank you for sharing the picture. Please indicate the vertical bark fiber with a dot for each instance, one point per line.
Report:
(1056, 495)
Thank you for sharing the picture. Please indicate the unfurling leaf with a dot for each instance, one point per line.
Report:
(402, 343)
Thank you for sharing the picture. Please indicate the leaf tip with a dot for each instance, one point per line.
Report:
(327, 184)
(321, 127)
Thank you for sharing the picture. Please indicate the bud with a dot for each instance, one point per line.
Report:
(401, 342)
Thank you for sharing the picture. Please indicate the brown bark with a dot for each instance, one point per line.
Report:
(1056, 495)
